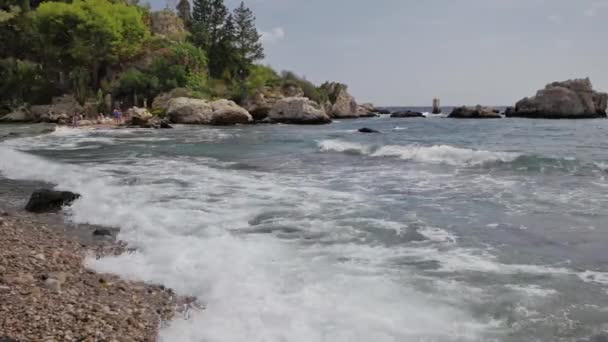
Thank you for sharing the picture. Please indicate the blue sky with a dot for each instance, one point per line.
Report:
(405, 52)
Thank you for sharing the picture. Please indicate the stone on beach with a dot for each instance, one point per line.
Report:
(43, 201)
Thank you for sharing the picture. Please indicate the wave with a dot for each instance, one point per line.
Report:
(267, 288)
(456, 156)
(438, 154)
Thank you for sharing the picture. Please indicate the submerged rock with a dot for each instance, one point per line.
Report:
(44, 201)
(381, 110)
(298, 110)
(572, 99)
(477, 112)
(367, 130)
(407, 114)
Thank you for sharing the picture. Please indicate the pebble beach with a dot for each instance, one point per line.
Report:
(46, 294)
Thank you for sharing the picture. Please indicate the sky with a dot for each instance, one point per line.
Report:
(465, 52)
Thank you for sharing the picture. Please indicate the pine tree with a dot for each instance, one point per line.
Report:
(223, 61)
(200, 25)
(183, 11)
(247, 39)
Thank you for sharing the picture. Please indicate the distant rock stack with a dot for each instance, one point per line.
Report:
(436, 106)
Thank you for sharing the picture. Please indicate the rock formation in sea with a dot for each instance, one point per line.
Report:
(260, 104)
(477, 112)
(572, 99)
(436, 106)
(407, 114)
(298, 110)
(340, 104)
(183, 110)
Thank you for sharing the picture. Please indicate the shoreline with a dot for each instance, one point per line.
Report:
(48, 294)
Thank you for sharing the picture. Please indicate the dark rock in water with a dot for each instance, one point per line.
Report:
(381, 111)
(165, 125)
(102, 232)
(5, 214)
(572, 99)
(44, 201)
(407, 114)
(477, 112)
(367, 130)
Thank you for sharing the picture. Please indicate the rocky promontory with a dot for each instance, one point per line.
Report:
(572, 99)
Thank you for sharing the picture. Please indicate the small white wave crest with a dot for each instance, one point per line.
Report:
(438, 154)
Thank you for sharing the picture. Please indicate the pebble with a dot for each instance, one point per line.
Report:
(65, 301)
(53, 285)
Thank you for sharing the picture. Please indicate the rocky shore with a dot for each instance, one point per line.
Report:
(46, 293)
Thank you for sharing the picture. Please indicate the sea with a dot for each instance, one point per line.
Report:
(433, 229)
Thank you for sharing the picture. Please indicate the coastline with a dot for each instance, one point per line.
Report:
(47, 293)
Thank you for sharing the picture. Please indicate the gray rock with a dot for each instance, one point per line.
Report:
(477, 112)
(44, 201)
(572, 99)
(367, 130)
(407, 114)
(194, 111)
(298, 110)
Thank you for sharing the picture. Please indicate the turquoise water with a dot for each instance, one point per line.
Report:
(432, 230)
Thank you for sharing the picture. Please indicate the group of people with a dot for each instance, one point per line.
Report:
(117, 115)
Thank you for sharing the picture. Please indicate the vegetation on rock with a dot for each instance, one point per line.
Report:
(96, 48)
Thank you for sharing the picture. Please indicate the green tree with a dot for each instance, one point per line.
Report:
(200, 24)
(92, 34)
(246, 37)
(135, 85)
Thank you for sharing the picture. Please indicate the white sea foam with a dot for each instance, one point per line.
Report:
(193, 230)
(439, 154)
(255, 287)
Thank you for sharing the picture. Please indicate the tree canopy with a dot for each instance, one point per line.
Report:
(91, 48)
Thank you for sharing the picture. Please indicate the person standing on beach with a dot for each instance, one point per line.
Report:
(117, 116)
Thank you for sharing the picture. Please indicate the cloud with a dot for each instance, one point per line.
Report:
(273, 36)
(595, 7)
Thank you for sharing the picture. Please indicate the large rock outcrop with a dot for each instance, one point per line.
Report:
(572, 99)
(260, 104)
(160, 104)
(341, 104)
(61, 107)
(183, 110)
(59, 111)
(21, 114)
(298, 110)
(477, 112)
